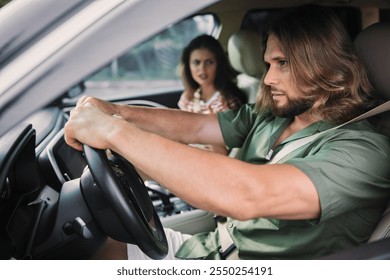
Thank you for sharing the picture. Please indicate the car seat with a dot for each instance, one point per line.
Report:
(245, 56)
(373, 45)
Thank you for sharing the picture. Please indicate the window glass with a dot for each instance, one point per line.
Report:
(154, 63)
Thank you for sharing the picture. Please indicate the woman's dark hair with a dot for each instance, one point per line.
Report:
(322, 61)
(225, 80)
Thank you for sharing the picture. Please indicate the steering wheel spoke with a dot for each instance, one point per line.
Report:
(120, 202)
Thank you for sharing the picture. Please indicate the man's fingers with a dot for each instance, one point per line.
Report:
(73, 143)
(82, 100)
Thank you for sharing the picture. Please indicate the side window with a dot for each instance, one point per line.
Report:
(154, 63)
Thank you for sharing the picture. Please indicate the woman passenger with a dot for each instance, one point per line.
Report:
(209, 81)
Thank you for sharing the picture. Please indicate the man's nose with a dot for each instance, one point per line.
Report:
(270, 77)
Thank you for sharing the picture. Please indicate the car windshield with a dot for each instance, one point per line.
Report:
(153, 64)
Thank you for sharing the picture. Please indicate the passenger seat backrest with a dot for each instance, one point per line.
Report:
(245, 55)
(373, 47)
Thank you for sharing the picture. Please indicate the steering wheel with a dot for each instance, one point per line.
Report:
(128, 199)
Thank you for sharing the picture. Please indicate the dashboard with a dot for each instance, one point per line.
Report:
(61, 162)
(40, 193)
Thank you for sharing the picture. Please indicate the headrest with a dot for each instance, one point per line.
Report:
(245, 53)
(373, 47)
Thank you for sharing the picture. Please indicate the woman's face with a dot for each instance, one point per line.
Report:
(203, 66)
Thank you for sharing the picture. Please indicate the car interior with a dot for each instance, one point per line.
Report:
(52, 205)
(244, 55)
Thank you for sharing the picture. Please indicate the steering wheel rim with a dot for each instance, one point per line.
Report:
(131, 203)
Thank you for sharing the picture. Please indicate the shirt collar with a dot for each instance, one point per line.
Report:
(307, 131)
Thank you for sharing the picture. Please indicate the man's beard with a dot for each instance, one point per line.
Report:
(294, 107)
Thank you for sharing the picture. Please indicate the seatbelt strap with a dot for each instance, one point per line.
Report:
(303, 141)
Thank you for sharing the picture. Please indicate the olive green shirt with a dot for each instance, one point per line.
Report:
(349, 167)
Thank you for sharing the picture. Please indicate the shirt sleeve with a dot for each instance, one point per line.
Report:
(236, 124)
(349, 171)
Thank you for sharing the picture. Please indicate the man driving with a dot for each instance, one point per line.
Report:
(322, 197)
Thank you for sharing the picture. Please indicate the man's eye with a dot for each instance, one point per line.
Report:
(283, 62)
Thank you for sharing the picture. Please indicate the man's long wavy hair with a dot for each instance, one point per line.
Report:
(323, 62)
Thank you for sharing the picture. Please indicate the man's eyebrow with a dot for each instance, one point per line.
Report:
(278, 58)
(275, 58)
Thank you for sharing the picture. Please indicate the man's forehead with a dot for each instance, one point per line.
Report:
(273, 50)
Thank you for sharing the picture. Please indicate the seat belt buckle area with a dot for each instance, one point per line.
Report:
(225, 255)
(228, 250)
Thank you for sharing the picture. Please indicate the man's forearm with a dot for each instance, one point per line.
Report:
(174, 124)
